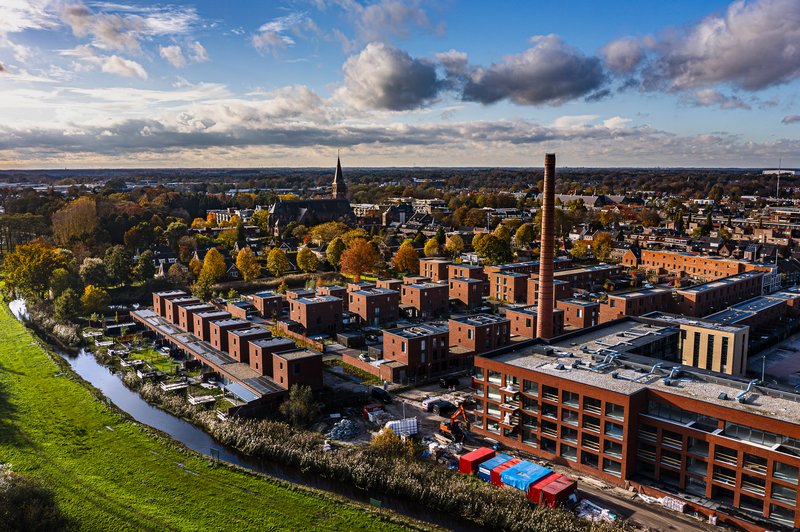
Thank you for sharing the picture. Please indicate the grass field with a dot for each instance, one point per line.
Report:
(110, 473)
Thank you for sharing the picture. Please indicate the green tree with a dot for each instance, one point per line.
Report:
(495, 250)
(351, 235)
(227, 238)
(307, 260)
(247, 264)
(441, 236)
(93, 271)
(213, 266)
(178, 274)
(67, 305)
(174, 232)
(94, 300)
(145, 267)
(117, 261)
(299, 409)
(323, 234)
(431, 248)
(406, 260)
(478, 240)
(277, 262)
(524, 235)
(62, 279)
(334, 252)
(502, 233)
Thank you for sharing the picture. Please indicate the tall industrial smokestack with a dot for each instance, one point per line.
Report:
(544, 321)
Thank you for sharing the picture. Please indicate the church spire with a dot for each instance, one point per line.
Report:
(339, 186)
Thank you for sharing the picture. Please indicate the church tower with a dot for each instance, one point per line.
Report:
(339, 186)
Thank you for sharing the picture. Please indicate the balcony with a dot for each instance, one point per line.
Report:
(646, 454)
(724, 476)
(511, 406)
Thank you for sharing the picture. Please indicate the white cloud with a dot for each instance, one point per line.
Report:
(123, 67)
(198, 52)
(711, 97)
(173, 54)
(275, 34)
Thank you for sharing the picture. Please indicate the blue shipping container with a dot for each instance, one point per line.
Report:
(485, 469)
(523, 474)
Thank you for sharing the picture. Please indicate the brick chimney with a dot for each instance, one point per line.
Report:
(544, 321)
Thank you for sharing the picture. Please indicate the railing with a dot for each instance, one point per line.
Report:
(644, 454)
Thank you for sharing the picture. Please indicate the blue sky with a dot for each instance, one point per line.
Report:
(398, 82)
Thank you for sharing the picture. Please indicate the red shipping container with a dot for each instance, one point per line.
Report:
(557, 492)
(468, 464)
(535, 494)
(495, 475)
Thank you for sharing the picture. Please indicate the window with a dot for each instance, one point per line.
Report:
(530, 387)
(570, 417)
(784, 494)
(785, 472)
(612, 467)
(670, 459)
(755, 463)
(531, 405)
(478, 373)
(402, 347)
(570, 398)
(671, 439)
(568, 452)
(550, 393)
(754, 485)
(696, 353)
(613, 430)
(781, 515)
(592, 405)
(568, 434)
(726, 455)
(296, 369)
(698, 447)
(612, 449)
(589, 459)
(647, 452)
(724, 355)
(615, 411)
(469, 334)
(648, 432)
(495, 377)
(697, 466)
(591, 423)
(493, 393)
(710, 352)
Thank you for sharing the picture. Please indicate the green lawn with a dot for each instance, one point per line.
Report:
(110, 473)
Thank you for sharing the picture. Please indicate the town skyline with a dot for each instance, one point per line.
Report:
(398, 84)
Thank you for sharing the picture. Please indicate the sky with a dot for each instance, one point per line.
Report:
(244, 83)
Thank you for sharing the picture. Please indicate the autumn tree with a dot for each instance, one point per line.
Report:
(213, 266)
(431, 248)
(334, 251)
(359, 258)
(495, 250)
(94, 300)
(174, 232)
(441, 236)
(406, 260)
(353, 234)
(93, 271)
(178, 274)
(454, 245)
(75, 220)
(579, 250)
(247, 264)
(502, 233)
(307, 260)
(138, 236)
(117, 261)
(61, 280)
(195, 266)
(277, 262)
(602, 245)
(28, 268)
(323, 234)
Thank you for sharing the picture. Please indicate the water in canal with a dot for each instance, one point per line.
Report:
(112, 387)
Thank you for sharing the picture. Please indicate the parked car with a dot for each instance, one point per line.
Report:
(446, 382)
(444, 408)
(381, 395)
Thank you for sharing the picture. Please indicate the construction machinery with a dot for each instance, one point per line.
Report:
(455, 427)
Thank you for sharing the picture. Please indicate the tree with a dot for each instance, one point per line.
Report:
(307, 260)
(353, 234)
(323, 234)
(679, 227)
(454, 245)
(524, 235)
(299, 409)
(93, 271)
(478, 240)
(227, 238)
(283, 287)
(198, 223)
(195, 266)
(277, 262)
(502, 233)
(495, 250)
(94, 300)
(178, 274)
(202, 286)
(579, 250)
(387, 443)
(441, 236)
(117, 261)
(431, 248)
(406, 259)
(28, 268)
(67, 305)
(602, 246)
(62, 279)
(25, 504)
(359, 258)
(334, 252)
(650, 218)
(174, 232)
(75, 220)
(418, 241)
(475, 218)
(213, 266)
(138, 236)
(145, 267)
(247, 264)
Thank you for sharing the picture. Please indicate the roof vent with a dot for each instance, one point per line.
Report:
(723, 396)
(615, 375)
(560, 366)
(667, 381)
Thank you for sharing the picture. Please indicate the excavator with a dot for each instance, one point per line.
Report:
(455, 427)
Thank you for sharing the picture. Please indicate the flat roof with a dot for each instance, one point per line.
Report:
(467, 279)
(170, 293)
(297, 355)
(425, 286)
(642, 293)
(268, 342)
(435, 259)
(375, 292)
(479, 319)
(230, 323)
(510, 274)
(199, 306)
(529, 310)
(719, 283)
(265, 294)
(252, 331)
(214, 314)
(677, 319)
(468, 266)
(318, 299)
(579, 302)
(581, 359)
(186, 299)
(418, 331)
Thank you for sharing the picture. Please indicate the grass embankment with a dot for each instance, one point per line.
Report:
(110, 473)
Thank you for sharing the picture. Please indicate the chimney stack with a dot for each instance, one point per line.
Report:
(544, 321)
